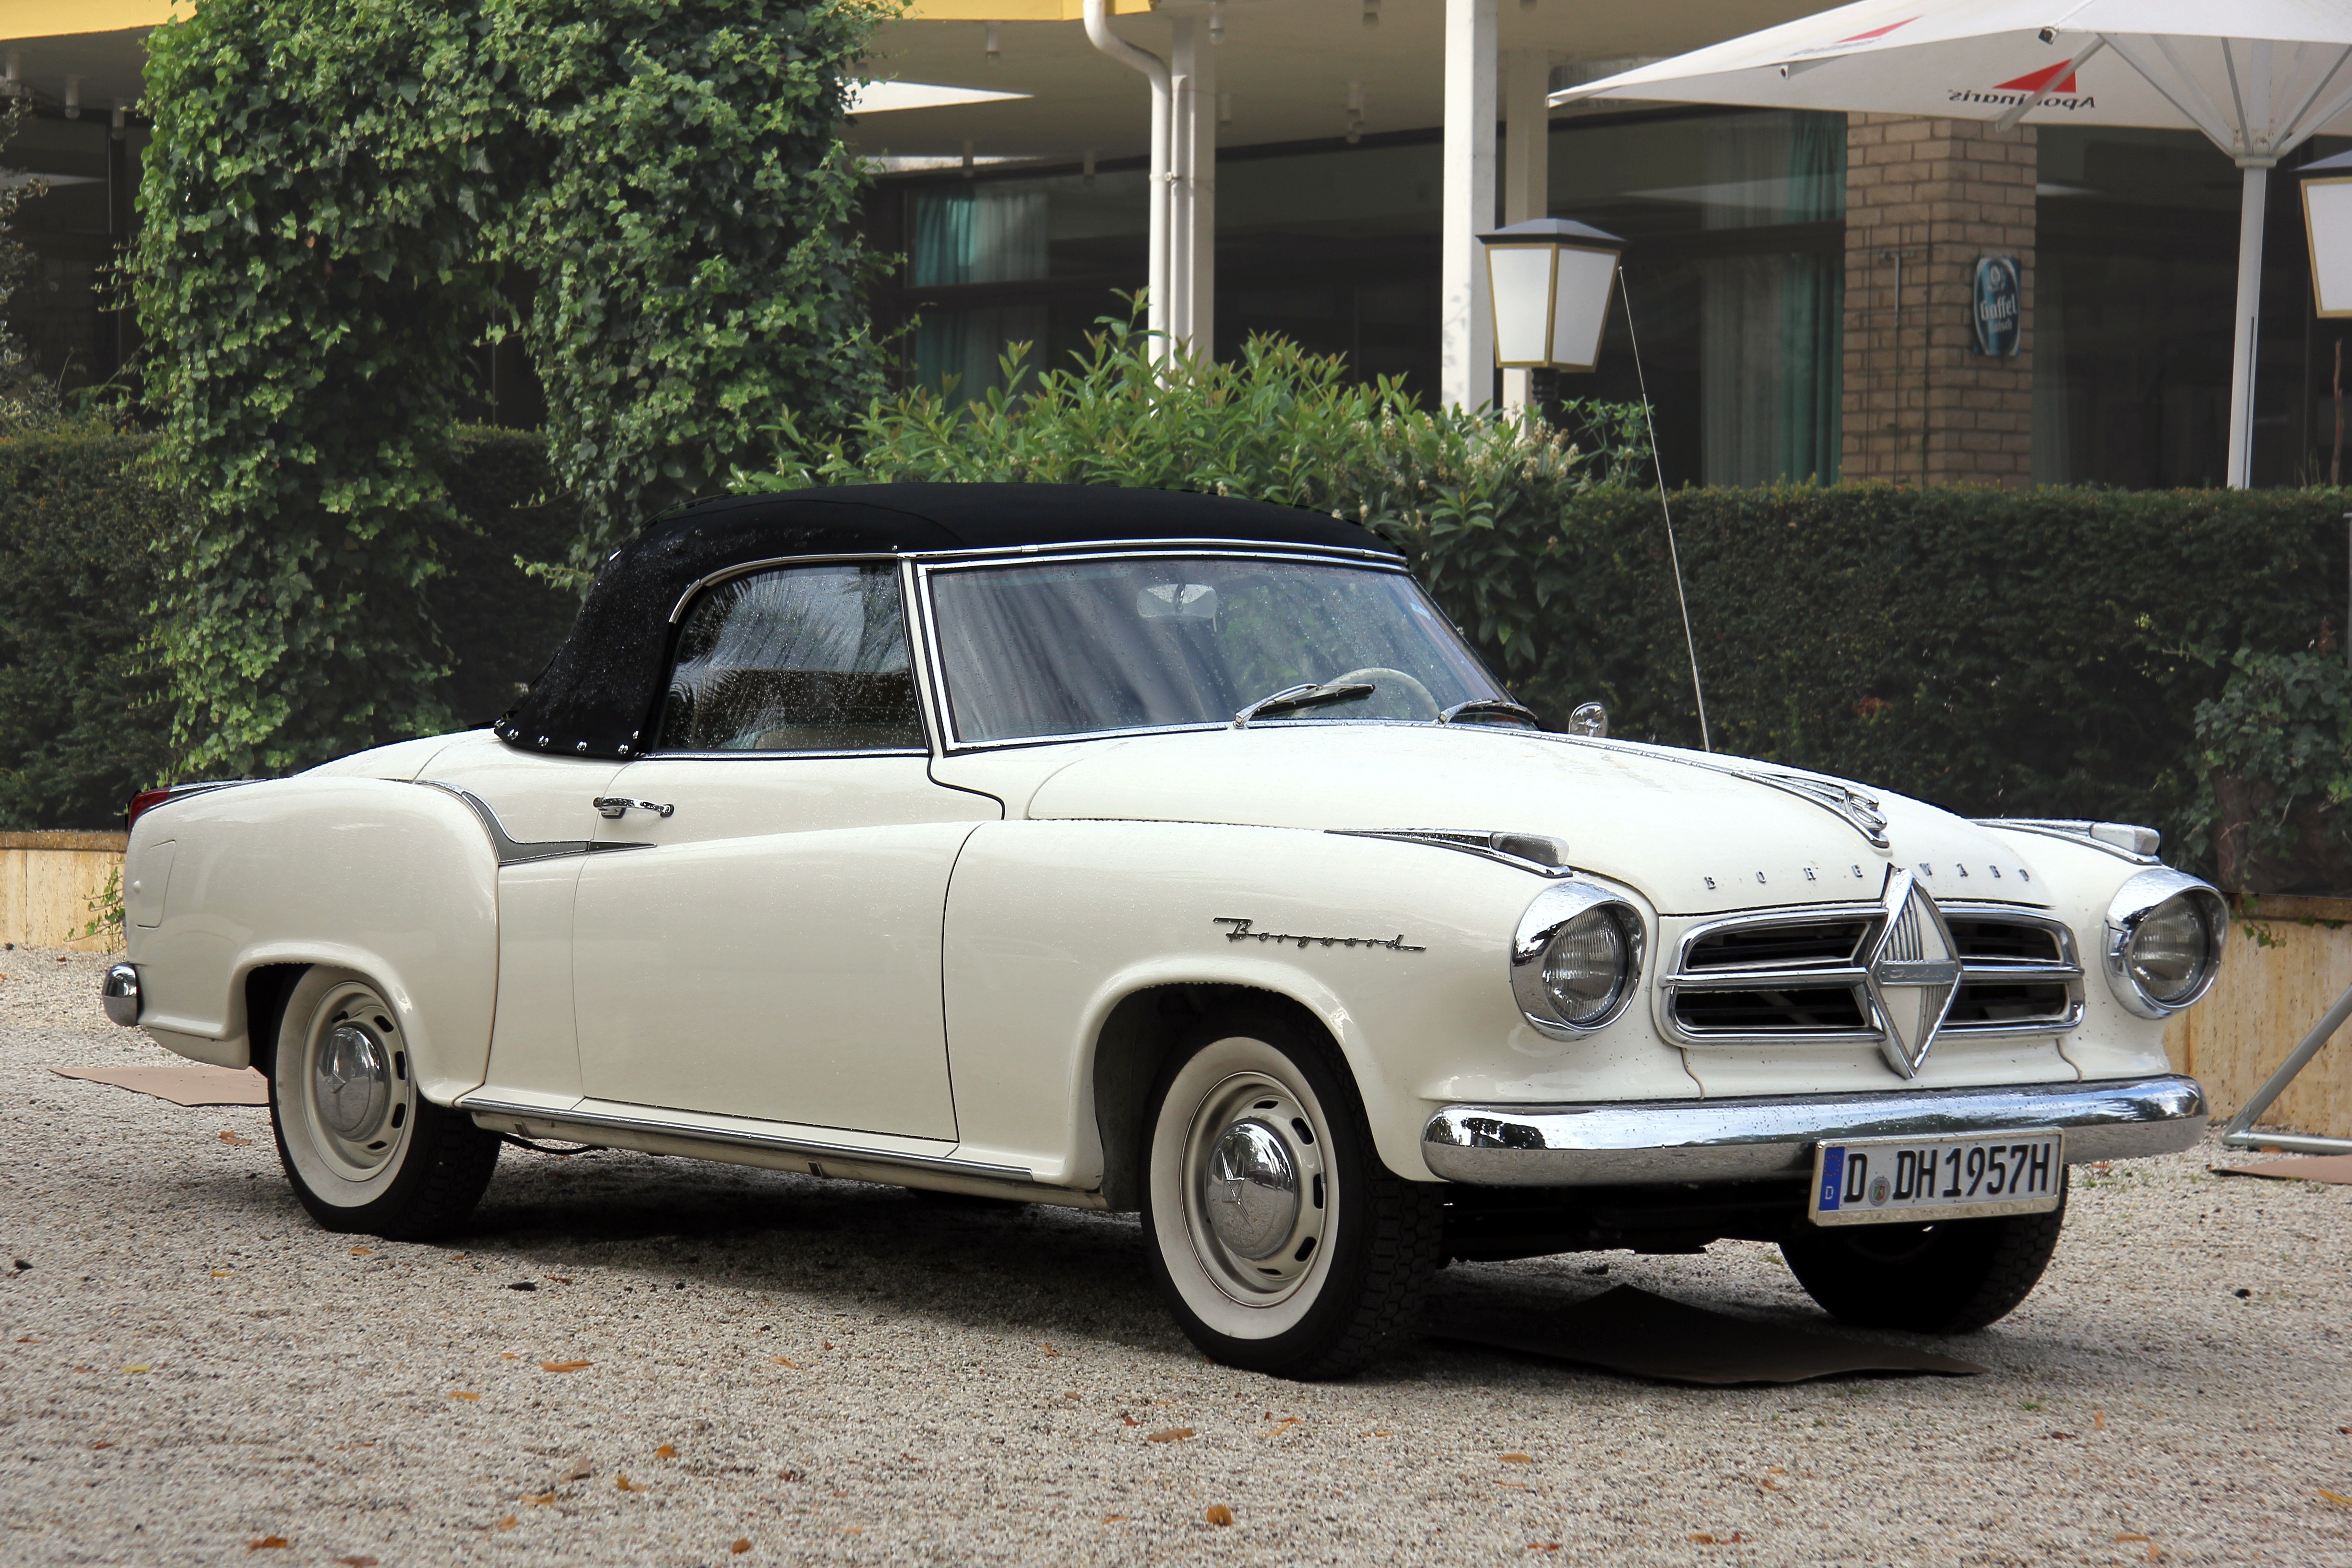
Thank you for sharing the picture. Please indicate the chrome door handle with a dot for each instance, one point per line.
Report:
(612, 805)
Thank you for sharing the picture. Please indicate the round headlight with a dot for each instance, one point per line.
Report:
(1576, 959)
(1584, 968)
(2172, 952)
(2165, 932)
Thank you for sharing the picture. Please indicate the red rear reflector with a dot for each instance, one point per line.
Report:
(142, 802)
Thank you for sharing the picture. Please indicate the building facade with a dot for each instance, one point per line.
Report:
(1804, 291)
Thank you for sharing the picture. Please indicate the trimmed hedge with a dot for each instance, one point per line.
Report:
(2041, 654)
(83, 714)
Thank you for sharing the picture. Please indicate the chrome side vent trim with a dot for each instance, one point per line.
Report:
(1540, 853)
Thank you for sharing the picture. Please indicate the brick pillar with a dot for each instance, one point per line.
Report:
(1919, 402)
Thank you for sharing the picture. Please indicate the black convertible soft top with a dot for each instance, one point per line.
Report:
(600, 694)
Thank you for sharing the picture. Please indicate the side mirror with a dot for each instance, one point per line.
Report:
(1590, 718)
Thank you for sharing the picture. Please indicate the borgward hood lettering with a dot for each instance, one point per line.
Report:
(1696, 834)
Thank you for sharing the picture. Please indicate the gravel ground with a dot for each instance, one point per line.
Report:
(793, 1371)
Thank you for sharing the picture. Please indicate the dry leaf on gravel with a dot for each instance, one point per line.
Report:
(666, 1451)
(741, 1546)
(463, 1393)
(541, 1501)
(1125, 1419)
(781, 1361)
(102, 1445)
(1543, 1545)
(139, 1369)
(2098, 1420)
(562, 1365)
(1049, 1350)
(2336, 1497)
(234, 1138)
(853, 1529)
(508, 1522)
(1517, 1460)
(1218, 1514)
(268, 1543)
(1172, 1434)
(1114, 1518)
(362, 1252)
(224, 1273)
(627, 1485)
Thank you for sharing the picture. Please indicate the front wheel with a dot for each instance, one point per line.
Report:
(1946, 1278)
(365, 1150)
(1278, 1238)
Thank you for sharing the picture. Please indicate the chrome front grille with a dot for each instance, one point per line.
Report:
(1796, 975)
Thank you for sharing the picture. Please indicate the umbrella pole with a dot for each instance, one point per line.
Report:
(2251, 207)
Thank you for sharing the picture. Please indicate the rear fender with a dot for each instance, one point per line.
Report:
(395, 881)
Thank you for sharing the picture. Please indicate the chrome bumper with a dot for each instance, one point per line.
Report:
(1743, 1140)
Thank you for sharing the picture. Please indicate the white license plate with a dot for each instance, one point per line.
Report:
(1880, 1180)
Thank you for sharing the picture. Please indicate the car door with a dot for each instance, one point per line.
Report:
(773, 951)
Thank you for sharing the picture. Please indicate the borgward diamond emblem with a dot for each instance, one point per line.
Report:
(1914, 971)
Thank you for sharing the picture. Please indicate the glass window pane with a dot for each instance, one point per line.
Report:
(808, 658)
(1078, 647)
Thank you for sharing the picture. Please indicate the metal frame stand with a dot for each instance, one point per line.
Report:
(2240, 1133)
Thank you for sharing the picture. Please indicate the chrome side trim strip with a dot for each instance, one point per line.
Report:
(512, 851)
(807, 1148)
(1484, 844)
(2074, 832)
(1744, 1140)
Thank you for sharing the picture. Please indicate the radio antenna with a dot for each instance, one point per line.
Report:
(1674, 551)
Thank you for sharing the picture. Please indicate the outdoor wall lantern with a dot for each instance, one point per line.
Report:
(1550, 279)
(2327, 215)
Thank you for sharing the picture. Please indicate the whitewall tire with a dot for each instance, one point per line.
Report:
(1276, 1237)
(365, 1150)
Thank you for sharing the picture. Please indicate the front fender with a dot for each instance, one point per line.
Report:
(1051, 924)
(395, 881)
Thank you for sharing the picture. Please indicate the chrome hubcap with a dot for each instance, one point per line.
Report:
(1250, 1190)
(352, 1081)
(1256, 1188)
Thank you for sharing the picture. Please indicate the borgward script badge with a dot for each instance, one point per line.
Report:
(1914, 971)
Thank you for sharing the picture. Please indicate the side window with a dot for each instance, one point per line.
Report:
(804, 658)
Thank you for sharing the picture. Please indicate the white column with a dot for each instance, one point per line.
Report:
(1526, 167)
(2252, 204)
(1155, 70)
(1194, 57)
(1466, 324)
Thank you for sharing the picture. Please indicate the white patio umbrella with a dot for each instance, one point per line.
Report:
(2258, 77)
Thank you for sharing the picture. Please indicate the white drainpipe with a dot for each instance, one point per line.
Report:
(1158, 280)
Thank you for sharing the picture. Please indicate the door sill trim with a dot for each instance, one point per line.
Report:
(811, 1148)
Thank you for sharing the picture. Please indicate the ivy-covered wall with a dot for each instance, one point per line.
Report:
(331, 198)
(86, 713)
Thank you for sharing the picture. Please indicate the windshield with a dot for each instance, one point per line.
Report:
(1080, 647)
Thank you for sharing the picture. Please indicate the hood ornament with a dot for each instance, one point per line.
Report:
(1861, 811)
(1914, 973)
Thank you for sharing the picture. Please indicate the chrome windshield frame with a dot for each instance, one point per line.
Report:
(924, 567)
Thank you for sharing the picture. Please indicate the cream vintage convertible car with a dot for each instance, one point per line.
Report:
(1136, 850)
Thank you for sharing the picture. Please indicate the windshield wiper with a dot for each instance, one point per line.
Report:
(1307, 695)
(1494, 705)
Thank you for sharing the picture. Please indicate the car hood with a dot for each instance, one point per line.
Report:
(1695, 833)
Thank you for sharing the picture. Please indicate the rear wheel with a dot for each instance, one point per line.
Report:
(365, 1150)
(1948, 1279)
(1278, 1238)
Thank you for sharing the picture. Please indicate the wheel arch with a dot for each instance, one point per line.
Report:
(1132, 1045)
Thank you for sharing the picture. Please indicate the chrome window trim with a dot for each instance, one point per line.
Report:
(1159, 546)
(2133, 902)
(1679, 977)
(906, 621)
(1465, 842)
(1550, 910)
(950, 743)
(726, 575)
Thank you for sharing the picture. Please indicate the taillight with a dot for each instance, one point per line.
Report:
(142, 803)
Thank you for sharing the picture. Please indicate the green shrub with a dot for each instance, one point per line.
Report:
(2278, 751)
(85, 714)
(82, 722)
(2036, 654)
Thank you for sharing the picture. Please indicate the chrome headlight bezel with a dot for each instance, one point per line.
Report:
(1554, 910)
(2137, 900)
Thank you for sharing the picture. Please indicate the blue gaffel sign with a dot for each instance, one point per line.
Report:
(1998, 299)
